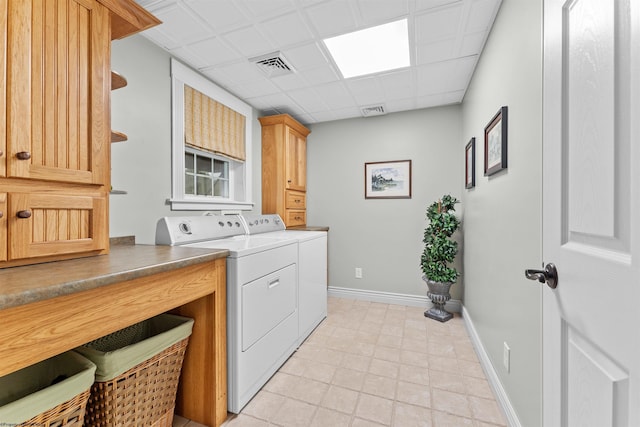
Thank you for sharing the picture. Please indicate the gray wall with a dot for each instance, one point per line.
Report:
(502, 215)
(383, 237)
(141, 166)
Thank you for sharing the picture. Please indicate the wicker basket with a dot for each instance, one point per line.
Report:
(51, 393)
(143, 395)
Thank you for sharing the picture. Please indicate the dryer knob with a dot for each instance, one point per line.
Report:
(185, 228)
(221, 224)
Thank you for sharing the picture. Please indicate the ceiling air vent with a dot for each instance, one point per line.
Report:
(373, 110)
(273, 64)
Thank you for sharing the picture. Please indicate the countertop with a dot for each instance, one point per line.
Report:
(32, 283)
(309, 228)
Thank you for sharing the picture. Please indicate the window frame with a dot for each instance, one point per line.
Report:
(240, 195)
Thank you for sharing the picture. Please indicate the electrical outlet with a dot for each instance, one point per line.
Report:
(358, 273)
(506, 355)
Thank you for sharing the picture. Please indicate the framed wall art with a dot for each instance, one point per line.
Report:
(470, 164)
(495, 143)
(387, 180)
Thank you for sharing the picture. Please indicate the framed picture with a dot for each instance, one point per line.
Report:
(470, 164)
(495, 143)
(387, 180)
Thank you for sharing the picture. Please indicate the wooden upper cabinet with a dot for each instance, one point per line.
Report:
(296, 160)
(284, 168)
(58, 81)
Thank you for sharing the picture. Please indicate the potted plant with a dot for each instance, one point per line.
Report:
(439, 252)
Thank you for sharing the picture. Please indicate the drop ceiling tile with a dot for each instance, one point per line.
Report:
(219, 15)
(212, 52)
(438, 24)
(320, 75)
(366, 90)
(374, 12)
(286, 30)
(346, 113)
(453, 97)
(289, 82)
(219, 77)
(305, 57)
(278, 100)
(481, 15)
(187, 57)
(308, 99)
(396, 105)
(445, 76)
(261, 8)
(398, 84)
(430, 4)
(331, 18)
(441, 50)
(259, 103)
(249, 41)
(335, 95)
(429, 101)
(160, 38)
(322, 116)
(240, 72)
(254, 88)
(472, 43)
(180, 25)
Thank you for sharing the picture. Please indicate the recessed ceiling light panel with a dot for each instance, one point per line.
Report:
(373, 50)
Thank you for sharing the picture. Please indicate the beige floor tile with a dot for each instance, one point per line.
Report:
(379, 386)
(448, 381)
(242, 420)
(264, 405)
(310, 391)
(328, 418)
(294, 413)
(282, 383)
(452, 403)
(384, 368)
(414, 374)
(486, 410)
(415, 394)
(179, 421)
(478, 387)
(341, 399)
(319, 371)
(442, 419)
(356, 362)
(371, 364)
(349, 378)
(374, 408)
(411, 416)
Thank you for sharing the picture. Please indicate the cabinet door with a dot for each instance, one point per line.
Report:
(295, 161)
(3, 226)
(42, 224)
(58, 90)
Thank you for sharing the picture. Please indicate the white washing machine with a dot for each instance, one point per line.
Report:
(312, 268)
(262, 295)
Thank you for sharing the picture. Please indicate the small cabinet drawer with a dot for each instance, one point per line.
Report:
(296, 200)
(295, 218)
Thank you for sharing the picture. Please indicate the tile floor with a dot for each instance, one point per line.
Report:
(372, 364)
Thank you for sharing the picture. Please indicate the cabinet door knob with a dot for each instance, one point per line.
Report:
(1, 214)
(23, 155)
(23, 214)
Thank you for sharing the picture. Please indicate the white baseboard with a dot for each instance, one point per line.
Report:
(490, 372)
(391, 298)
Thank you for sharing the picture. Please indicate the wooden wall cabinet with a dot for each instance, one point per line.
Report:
(284, 168)
(55, 137)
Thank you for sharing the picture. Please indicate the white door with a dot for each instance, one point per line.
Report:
(591, 212)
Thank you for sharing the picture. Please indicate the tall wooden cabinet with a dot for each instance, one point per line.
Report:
(55, 126)
(284, 168)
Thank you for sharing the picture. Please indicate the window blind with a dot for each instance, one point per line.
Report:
(212, 126)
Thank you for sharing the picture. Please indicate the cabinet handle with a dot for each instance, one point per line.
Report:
(24, 214)
(297, 200)
(1, 153)
(1, 214)
(289, 181)
(23, 155)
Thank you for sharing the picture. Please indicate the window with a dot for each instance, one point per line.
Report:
(208, 171)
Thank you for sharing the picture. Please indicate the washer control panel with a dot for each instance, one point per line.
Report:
(180, 230)
(265, 223)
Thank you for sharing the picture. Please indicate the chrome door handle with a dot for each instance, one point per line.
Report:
(549, 275)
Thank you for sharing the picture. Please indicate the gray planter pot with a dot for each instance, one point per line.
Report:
(439, 295)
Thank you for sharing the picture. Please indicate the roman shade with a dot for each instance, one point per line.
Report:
(212, 126)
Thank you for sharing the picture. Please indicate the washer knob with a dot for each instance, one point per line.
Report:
(185, 228)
